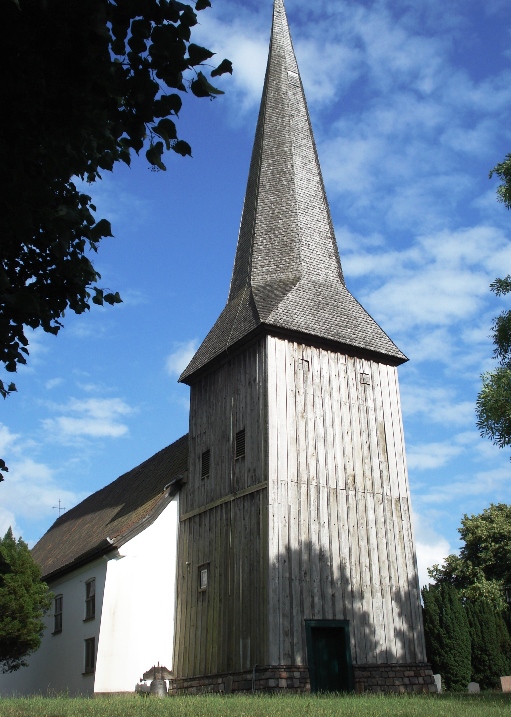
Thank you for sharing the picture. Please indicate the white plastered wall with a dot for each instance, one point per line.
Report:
(137, 622)
(133, 627)
(57, 667)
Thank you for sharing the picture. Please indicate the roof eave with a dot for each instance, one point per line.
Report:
(300, 337)
(108, 544)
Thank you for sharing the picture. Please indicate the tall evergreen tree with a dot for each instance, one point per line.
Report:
(447, 635)
(488, 636)
(24, 599)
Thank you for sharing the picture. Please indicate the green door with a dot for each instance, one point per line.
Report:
(329, 655)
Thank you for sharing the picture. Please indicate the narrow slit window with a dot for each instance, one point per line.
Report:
(203, 578)
(205, 464)
(90, 599)
(57, 615)
(240, 444)
(90, 655)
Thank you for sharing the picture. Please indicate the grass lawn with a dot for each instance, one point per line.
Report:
(490, 704)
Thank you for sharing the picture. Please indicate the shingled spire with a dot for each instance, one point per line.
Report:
(287, 272)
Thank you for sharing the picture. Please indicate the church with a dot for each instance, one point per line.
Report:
(270, 548)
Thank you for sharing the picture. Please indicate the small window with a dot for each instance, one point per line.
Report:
(205, 462)
(57, 615)
(90, 654)
(203, 578)
(303, 364)
(90, 599)
(240, 444)
(365, 379)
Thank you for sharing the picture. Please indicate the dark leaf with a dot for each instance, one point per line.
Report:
(198, 54)
(118, 47)
(137, 44)
(166, 129)
(98, 297)
(182, 148)
(202, 4)
(188, 17)
(154, 154)
(166, 105)
(102, 229)
(141, 28)
(223, 67)
(202, 88)
(113, 298)
(184, 32)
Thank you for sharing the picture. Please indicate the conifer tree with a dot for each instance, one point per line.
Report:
(24, 599)
(487, 635)
(447, 635)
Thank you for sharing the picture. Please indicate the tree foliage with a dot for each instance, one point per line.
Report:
(483, 566)
(503, 172)
(84, 85)
(24, 599)
(447, 635)
(493, 404)
(490, 644)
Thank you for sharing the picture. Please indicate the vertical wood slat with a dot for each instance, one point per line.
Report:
(274, 622)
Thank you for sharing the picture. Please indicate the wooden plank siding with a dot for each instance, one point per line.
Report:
(223, 523)
(340, 534)
(314, 521)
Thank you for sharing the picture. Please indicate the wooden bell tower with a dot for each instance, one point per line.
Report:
(296, 550)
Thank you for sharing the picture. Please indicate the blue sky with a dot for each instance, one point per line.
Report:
(410, 103)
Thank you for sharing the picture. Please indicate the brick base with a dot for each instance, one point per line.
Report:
(415, 678)
(276, 678)
(295, 679)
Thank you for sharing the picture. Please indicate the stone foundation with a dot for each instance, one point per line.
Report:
(295, 679)
(394, 678)
(277, 678)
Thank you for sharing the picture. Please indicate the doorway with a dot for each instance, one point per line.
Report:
(329, 655)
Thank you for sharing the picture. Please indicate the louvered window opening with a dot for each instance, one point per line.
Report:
(205, 464)
(57, 622)
(240, 444)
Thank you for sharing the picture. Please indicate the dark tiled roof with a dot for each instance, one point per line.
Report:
(287, 272)
(113, 513)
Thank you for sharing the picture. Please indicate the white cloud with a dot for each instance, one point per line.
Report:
(53, 383)
(179, 359)
(91, 418)
(439, 405)
(430, 455)
(245, 42)
(323, 87)
(431, 547)
(433, 296)
(7, 439)
(8, 520)
(30, 493)
(495, 482)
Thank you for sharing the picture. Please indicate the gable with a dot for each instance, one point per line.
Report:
(114, 514)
